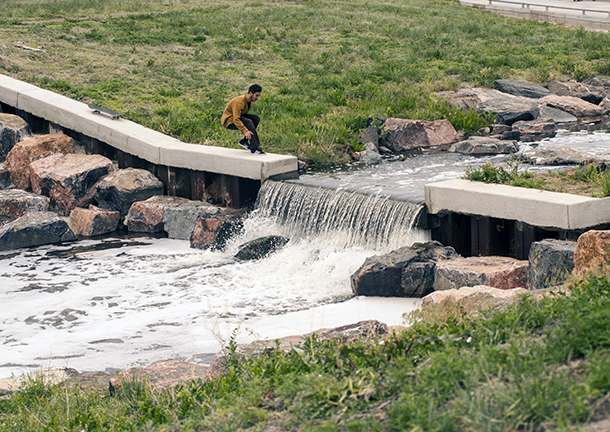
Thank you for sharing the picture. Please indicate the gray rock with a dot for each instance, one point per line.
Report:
(120, 189)
(179, 222)
(593, 98)
(508, 108)
(521, 88)
(536, 130)
(551, 155)
(14, 203)
(369, 157)
(35, 229)
(406, 272)
(478, 146)
(260, 248)
(550, 263)
(560, 117)
(12, 130)
(370, 134)
(5, 179)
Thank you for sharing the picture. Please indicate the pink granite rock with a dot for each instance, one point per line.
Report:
(205, 231)
(402, 136)
(69, 180)
(25, 152)
(147, 216)
(93, 221)
(494, 271)
(573, 105)
(591, 251)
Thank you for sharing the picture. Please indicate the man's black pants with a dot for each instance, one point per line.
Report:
(250, 121)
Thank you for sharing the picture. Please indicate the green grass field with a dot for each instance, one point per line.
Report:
(325, 66)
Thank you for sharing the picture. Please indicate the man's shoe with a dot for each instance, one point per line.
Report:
(258, 152)
(244, 143)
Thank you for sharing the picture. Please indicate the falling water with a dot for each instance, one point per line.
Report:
(341, 217)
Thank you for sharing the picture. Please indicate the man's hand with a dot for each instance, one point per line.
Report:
(248, 135)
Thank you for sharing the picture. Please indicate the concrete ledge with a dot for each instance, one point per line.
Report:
(534, 207)
(139, 141)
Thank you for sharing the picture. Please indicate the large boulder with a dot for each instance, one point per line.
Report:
(179, 222)
(536, 130)
(521, 88)
(507, 108)
(592, 251)
(406, 272)
(120, 189)
(552, 155)
(35, 229)
(494, 271)
(147, 216)
(93, 221)
(573, 105)
(25, 152)
(405, 136)
(550, 263)
(14, 203)
(479, 146)
(68, 180)
(260, 248)
(12, 130)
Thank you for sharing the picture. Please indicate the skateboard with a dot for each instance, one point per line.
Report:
(97, 110)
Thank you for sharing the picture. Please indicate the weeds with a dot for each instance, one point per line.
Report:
(588, 179)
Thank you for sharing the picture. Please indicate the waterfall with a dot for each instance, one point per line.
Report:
(345, 218)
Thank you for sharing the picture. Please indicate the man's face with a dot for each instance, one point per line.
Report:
(253, 97)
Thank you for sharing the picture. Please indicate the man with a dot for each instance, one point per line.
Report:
(236, 117)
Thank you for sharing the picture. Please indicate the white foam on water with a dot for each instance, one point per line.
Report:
(116, 303)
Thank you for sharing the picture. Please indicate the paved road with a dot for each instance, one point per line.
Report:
(596, 13)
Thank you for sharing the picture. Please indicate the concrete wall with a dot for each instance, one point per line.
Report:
(531, 206)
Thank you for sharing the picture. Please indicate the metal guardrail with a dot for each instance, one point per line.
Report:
(526, 5)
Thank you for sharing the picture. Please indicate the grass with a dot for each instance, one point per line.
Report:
(539, 364)
(586, 180)
(325, 66)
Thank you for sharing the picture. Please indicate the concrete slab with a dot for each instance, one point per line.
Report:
(535, 207)
(137, 140)
(220, 160)
(10, 89)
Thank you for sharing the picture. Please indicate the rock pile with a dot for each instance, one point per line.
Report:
(523, 111)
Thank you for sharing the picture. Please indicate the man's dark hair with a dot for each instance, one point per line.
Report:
(255, 88)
